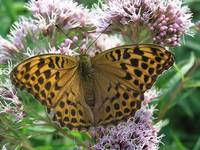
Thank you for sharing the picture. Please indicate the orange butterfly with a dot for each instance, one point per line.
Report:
(80, 91)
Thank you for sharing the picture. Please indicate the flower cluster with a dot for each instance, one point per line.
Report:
(65, 47)
(6, 50)
(137, 133)
(21, 31)
(66, 14)
(11, 103)
(40, 31)
(163, 21)
(169, 22)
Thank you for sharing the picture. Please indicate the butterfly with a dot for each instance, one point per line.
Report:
(80, 92)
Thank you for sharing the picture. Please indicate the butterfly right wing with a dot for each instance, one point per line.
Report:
(122, 75)
(54, 80)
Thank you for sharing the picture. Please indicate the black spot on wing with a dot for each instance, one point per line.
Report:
(112, 56)
(118, 54)
(51, 63)
(48, 85)
(47, 74)
(134, 62)
(138, 72)
(128, 76)
(27, 66)
(62, 62)
(126, 55)
(123, 66)
(138, 51)
(57, 62)
(41, 63)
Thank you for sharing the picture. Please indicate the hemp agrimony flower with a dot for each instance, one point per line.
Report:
(137, 133)
(161, 22)
(10, 103)
(66, 14)
(23, 30)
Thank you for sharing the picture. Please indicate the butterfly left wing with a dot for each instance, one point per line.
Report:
(122, 75)
(54, 80)
(40, 75)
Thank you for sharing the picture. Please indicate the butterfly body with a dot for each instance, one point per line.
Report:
(85, 66)
(83, 91)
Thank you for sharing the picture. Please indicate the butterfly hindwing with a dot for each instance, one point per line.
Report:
(115, 101)
(72, 111)
(54, 80)
(134, 69)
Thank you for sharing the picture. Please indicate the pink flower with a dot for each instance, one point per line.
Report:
(137, 133)
(66, 14)
(154, 21)
(6, 50)
(169, 22)
(21, 31)
(10, 102)
(150, 95)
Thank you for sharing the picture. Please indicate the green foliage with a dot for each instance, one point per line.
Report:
(179, 104)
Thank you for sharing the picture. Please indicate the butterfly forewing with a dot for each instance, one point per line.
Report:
(137, 66)
(124, 74)
(55, 81)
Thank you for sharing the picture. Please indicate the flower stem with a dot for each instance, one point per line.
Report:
(70, 136)
(26, 146)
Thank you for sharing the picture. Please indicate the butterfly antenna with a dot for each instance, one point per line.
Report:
(67, 35)
(98, 37)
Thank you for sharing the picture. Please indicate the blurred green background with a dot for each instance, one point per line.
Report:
(179, 105)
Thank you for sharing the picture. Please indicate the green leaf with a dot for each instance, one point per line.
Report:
(181, 71)
(197, 145)
(8, 4)
(179, 144)
(46, 147)
(186, 108)
(174, 80)
(192, 84)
